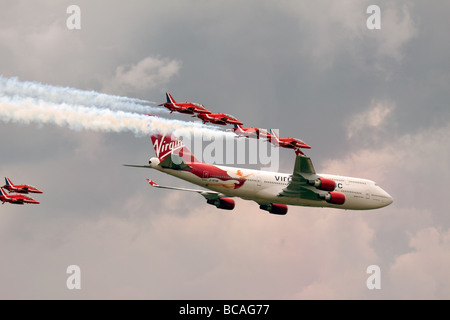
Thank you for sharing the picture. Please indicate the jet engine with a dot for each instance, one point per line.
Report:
(275, 208)
(222, 203)
(323, 184)
(334, 197)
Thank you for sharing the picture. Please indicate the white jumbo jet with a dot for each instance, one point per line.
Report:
(273, 191)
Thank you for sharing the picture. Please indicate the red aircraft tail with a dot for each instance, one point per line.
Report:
(168, 144)
(274, 134)
(8, 183)
(169, 98)
(3, 193)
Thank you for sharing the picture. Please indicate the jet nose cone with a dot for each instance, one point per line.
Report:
(390, 200)
(306, 146)
(387, 198)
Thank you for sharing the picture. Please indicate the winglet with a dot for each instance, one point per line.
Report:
(152, 183)
(303, 165)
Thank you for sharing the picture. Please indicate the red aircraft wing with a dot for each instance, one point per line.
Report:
(231, 119)
(212, 118)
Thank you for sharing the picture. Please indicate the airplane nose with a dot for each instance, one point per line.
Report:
(388, 198)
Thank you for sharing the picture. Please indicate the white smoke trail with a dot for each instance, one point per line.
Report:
(35, 103)
(13, 87)
(32, 102)
(76, 117)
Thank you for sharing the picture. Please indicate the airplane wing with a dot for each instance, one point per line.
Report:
(208, 195)
(290, 145)
(190, 108)
(137, 166)
(16, 201)
(299, 187)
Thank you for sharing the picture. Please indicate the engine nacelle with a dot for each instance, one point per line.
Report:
(334, 197)
(222, 203)
(275, 208)
(323, 184)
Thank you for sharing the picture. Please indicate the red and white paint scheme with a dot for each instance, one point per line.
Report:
(290, 143)
(219, 118)
(184, 107)
(15, 198)
(254, 133)
(20, 188)
(273, 191)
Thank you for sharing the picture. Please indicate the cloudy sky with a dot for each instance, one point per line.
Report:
(371, 103)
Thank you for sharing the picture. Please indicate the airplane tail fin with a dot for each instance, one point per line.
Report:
(274, 134)
(8, 182)
(2, 192)
(238, 127)
(168, 144)
(169, 98)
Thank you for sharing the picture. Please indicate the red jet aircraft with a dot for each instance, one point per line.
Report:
(219, 118)
(290, 143)
(15, 198)
(185, 107)
(20, 188)
(255, 133)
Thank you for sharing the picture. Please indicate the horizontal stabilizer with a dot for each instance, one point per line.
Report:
(137, 166)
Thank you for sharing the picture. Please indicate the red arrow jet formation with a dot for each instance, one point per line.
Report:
(199, 111)
(17, 188)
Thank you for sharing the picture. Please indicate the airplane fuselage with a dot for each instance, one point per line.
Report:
(266, 187)
(189, 108)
